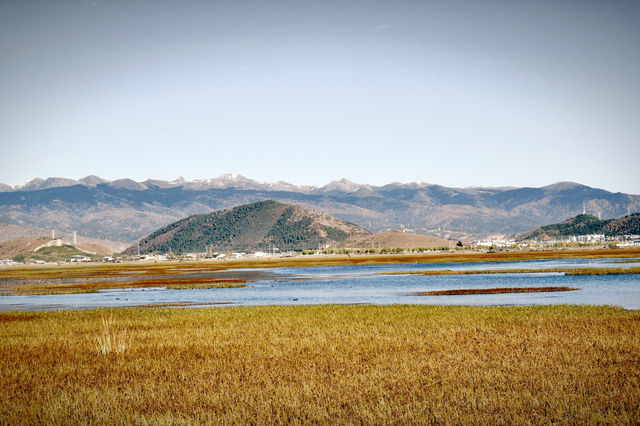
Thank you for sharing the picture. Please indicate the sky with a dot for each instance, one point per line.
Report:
(457, 93)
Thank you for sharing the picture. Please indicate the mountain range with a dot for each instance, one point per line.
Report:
(126, 210)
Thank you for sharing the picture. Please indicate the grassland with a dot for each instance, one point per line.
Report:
(325, 364)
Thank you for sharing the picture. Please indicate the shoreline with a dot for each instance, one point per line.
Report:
(335, 260)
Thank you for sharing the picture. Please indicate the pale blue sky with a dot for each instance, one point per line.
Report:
(458, 93)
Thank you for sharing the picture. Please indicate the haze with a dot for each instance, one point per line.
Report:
(460, 93)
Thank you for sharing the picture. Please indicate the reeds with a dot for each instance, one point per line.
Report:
(111, 338)
(36, 287)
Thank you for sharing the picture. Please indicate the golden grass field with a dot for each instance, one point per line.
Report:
(322, 364)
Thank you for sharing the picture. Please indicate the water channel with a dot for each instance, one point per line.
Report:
(357, 284)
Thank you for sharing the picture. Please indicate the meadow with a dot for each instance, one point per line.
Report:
(325, 364)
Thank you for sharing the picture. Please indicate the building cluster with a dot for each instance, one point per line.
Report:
(592, 239)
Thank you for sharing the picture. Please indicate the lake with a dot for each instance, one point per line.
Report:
(357, 284)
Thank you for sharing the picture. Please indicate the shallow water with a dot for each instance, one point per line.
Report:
(361, 284)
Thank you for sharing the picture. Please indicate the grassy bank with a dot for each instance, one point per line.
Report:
(358, 364)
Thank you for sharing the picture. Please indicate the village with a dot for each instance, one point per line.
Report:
(490, 244)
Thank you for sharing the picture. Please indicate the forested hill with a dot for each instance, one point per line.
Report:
(256, 226)
(586, 224)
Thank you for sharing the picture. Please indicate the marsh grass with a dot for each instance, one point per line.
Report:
(206, 285)
(111, 339)
(498, 290)
(566, 271)
(323, 364)
(182, 283)
(603, 271)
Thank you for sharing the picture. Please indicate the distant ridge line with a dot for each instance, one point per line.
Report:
(232, 180)
(125, 210)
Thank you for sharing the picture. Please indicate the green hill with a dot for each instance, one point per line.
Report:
(256, 226)
(586, 224)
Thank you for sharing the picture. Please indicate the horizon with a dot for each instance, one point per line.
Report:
(464, 94)
(237, 175)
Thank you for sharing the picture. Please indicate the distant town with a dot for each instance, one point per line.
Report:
(495, 243)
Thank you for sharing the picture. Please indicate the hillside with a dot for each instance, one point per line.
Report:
(256, 226)
(10, 249)
(12, 232)
(628, 225)
(32, 248)
(585, 224)
(125, 210)
(395, 239)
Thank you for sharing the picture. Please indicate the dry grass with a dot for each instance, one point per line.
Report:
(567, 271)
(498, 290)
(324, 364)
(603, 271)
(111, 339)
(182, 283)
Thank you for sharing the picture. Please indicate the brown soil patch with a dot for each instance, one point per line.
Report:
(393, 239)
(467, 291)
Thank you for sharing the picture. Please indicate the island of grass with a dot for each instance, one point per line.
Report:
(566, 271)
(37, 287)
(497, 290)
(322, 364)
